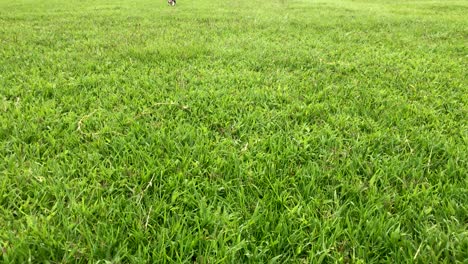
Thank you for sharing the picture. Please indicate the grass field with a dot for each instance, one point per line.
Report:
(244, 131)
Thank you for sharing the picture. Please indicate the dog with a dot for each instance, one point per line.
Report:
(171, 2)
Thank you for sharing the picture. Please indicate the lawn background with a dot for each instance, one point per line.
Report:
(233, 131)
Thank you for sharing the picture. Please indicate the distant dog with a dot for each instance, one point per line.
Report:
(171, 2)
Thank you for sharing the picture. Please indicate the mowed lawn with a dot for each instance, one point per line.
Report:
(246, 131)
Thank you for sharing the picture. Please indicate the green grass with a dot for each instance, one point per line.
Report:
(244, 131)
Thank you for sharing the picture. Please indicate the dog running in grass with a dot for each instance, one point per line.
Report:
(171, 2)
